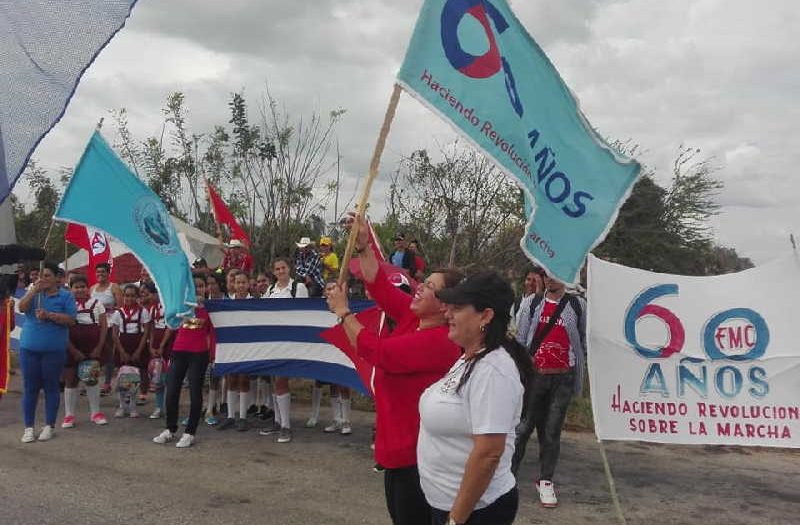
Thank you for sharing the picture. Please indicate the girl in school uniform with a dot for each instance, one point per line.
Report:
(110, 295)
(238, 395)
(87, 338)
(160, 340)
(130, 331)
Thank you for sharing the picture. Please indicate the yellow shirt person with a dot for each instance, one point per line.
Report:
(329, 259)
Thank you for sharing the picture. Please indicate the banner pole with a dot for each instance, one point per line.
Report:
(361, 207)
(612, 487)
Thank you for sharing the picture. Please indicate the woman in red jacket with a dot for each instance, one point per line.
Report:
(415, 355)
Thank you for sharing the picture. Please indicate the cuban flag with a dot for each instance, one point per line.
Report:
(281, 337)
(46, 45)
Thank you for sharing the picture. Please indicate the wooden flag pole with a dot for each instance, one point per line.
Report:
(361, 207)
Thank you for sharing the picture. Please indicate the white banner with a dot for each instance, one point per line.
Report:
(696, 360)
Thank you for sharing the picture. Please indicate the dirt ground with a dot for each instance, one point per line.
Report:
(114, 474)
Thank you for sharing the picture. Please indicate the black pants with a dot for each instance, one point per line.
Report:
(404, 498)
(549, 396)
(183, 364)
(501, 512)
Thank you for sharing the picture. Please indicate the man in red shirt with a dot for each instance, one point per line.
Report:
(554, 329)
(238, 257)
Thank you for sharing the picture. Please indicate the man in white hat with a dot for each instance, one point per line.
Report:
(308, 267)
(237, 256)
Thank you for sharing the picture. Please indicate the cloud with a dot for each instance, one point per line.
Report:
(718, 75)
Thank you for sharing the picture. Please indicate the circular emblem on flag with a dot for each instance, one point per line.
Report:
(153, 222)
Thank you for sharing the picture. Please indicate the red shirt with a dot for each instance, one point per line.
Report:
(406, 363)
(243, 262)
(196, 334)
(554, 350)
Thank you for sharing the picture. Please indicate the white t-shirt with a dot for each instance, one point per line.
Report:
(84, 316)
(133, 326)
(489, 403)
(276, 292)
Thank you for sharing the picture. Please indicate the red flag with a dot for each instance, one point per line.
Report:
(372, 319)
(96, 243)
(224, 216)
(6, 325)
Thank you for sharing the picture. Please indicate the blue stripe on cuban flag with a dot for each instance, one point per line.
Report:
(280, 337)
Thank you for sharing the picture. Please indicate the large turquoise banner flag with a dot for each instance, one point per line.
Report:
(106, 195)
(475, 65)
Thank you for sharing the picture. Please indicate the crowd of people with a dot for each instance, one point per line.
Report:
(463, 372)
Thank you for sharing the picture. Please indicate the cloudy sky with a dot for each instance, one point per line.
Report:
(719, 75)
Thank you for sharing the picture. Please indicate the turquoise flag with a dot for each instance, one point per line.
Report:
(475, 65)
(106, 195)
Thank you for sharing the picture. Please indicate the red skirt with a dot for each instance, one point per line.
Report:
(130, 342)
(155, 342)
(84, 337)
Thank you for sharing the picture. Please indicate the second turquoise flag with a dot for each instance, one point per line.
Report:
(475, 65)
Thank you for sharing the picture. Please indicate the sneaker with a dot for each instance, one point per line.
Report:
(242, 425)
(547, 493)
(377, 467)
(134, 414)
(212, 421)
(69, 422)
(336, 426)
(311, 423)
(252, 410)
(284, 436)
(27, 436)
(227, 423)
(164, 437)
(156, 414)
(120, 412)
(186, 441)
(274, 429)
(346, 428)
(99, 419)
(46, 434)
(266, 413)
(141, 400)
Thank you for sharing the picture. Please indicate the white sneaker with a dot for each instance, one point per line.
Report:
(27, 436)
(346, 428)
(186, 440)
(336, 426)
(311, 423)
(120, 412)
(547, 493)
(46, 434)
(164, 437)
(156, 414)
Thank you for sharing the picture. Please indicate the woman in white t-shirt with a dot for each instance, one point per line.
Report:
(468, 418)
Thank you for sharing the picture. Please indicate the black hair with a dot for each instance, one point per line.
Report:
(129, 287)
(220, 278)
(52, 267)
(105, 266)
(150, 287)
(75, 279)
(496, 335)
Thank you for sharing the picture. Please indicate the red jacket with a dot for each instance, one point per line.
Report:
(406, 363)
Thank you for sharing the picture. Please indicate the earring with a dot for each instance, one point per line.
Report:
(483, 328)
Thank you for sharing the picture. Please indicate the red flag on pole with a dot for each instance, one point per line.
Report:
(224, 216)
(93, 241)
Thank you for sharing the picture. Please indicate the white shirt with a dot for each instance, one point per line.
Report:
(84, 317)
(276, 292)
(489, 403)
(135, 327)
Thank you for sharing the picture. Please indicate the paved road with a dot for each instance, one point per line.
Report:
(100, 475)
